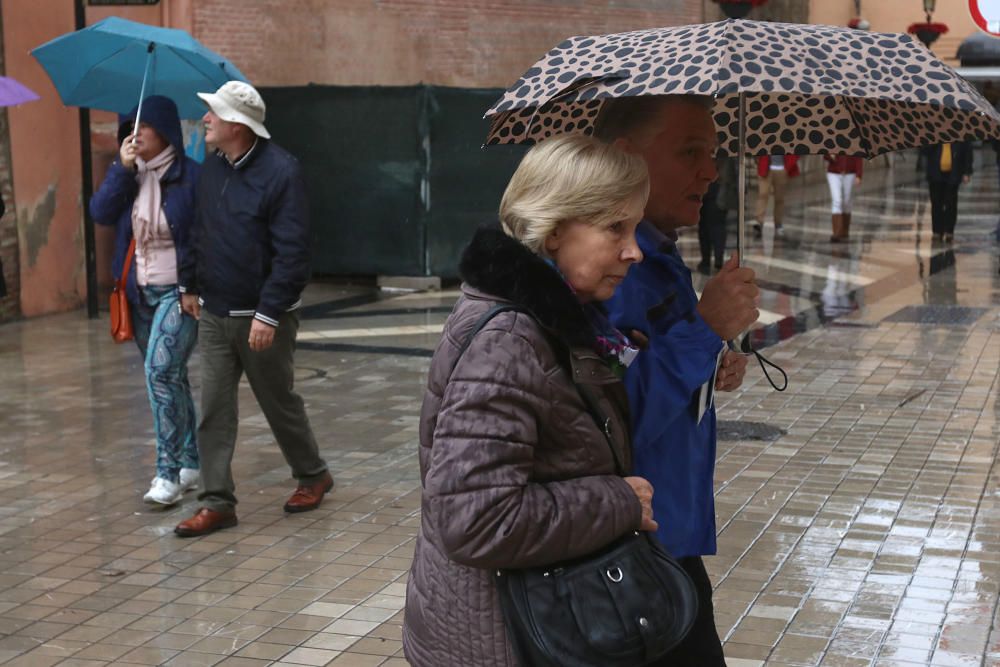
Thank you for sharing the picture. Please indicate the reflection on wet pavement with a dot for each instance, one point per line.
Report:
(863, 530)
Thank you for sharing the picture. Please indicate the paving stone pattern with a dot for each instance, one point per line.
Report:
(866, 533)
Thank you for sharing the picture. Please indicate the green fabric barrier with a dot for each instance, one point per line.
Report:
(396, 176)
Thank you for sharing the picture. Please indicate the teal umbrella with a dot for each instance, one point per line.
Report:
(115, 63)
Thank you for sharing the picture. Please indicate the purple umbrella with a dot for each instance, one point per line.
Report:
(13, 92)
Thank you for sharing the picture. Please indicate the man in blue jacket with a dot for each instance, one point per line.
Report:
(251, 263)
(672, 381)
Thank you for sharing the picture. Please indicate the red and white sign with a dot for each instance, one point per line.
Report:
(986, 15)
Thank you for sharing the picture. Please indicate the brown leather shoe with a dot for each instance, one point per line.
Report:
(205, 522)
(309, 496)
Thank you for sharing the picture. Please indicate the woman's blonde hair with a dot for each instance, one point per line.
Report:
(570, 177)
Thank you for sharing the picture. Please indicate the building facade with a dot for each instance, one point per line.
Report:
(469, 43)
(464, 43)
(897, 15)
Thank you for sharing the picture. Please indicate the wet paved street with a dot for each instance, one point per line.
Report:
(859, 512)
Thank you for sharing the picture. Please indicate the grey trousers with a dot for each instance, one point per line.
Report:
(225, 356)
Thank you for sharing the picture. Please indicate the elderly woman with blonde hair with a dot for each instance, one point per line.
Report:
(515, 471)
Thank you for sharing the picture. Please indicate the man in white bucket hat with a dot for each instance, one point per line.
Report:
(244, 282)
(237, 102)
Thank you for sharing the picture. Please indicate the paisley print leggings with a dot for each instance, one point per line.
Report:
(166, 337)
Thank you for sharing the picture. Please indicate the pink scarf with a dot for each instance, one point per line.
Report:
(147, 213)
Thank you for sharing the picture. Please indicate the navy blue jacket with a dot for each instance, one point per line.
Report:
(112, 203)
(251, 235)
(961, 163)
(670, 446)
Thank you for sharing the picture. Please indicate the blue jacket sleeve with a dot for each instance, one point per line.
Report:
(681, 356)
(289, 232)
(665, 376)
(186, 235)
(116, 193)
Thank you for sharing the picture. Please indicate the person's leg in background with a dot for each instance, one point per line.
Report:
(220, 377)
(142, 315)
(704, 242)
(937, 194)
(707, 224)
(779, 184)
(950, 211)
(719, 237)
(836, 206)
(763, 194)
(271, 374)
(847, 187)
(171, 340)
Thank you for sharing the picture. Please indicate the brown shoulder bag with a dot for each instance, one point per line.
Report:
(121, 320)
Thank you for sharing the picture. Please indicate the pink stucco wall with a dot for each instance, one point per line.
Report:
(45, 156)
(44, 138)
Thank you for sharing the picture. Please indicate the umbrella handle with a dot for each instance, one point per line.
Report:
(142, 90)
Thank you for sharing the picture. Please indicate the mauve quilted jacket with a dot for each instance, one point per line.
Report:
(515, 471)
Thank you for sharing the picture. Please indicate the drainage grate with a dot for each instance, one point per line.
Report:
(938, 314)
(733, 430)
(850, 324)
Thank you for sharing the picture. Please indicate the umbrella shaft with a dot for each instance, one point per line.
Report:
(741, 225)
(742, 342)
(142, 91)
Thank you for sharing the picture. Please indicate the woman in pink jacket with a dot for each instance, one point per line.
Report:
(842, 173)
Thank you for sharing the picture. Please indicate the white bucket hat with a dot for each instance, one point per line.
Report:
(238, 102)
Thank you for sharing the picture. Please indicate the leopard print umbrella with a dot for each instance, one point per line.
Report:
(808, 88)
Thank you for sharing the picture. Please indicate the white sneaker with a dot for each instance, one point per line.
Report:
(189, 479)
(163, 492)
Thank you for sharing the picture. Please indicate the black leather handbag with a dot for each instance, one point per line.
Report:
(625, 605)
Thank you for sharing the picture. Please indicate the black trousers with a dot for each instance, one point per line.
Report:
(712, 232)
(944, 206)
(702, 647)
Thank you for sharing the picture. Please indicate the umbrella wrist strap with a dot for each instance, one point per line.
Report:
(747, 348)
(764, 363)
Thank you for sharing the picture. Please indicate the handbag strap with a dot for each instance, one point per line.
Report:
(484, 320)
(128, 265)
(603, 423)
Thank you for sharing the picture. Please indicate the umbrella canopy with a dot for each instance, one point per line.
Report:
(106, 66)
(14, 92)
(807, 89)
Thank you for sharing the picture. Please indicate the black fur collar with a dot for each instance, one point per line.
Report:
(500, 266)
